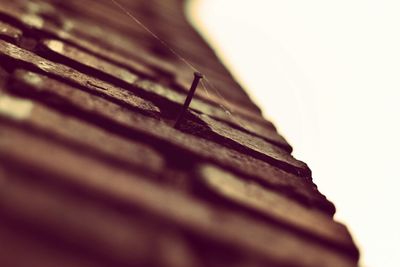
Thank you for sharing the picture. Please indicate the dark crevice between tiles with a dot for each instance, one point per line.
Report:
(4, 76)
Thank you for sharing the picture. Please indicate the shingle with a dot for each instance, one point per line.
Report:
(4, 74)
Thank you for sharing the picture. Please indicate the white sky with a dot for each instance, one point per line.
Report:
(328, 74)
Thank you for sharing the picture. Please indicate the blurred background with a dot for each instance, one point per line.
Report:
(328, 74)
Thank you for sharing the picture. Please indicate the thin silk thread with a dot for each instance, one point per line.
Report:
(185, 61)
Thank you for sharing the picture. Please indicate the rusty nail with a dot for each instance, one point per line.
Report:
(197, 77)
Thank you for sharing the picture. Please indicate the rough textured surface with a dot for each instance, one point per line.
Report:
(92, 173)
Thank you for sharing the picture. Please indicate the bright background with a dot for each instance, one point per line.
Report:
(328, 74)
